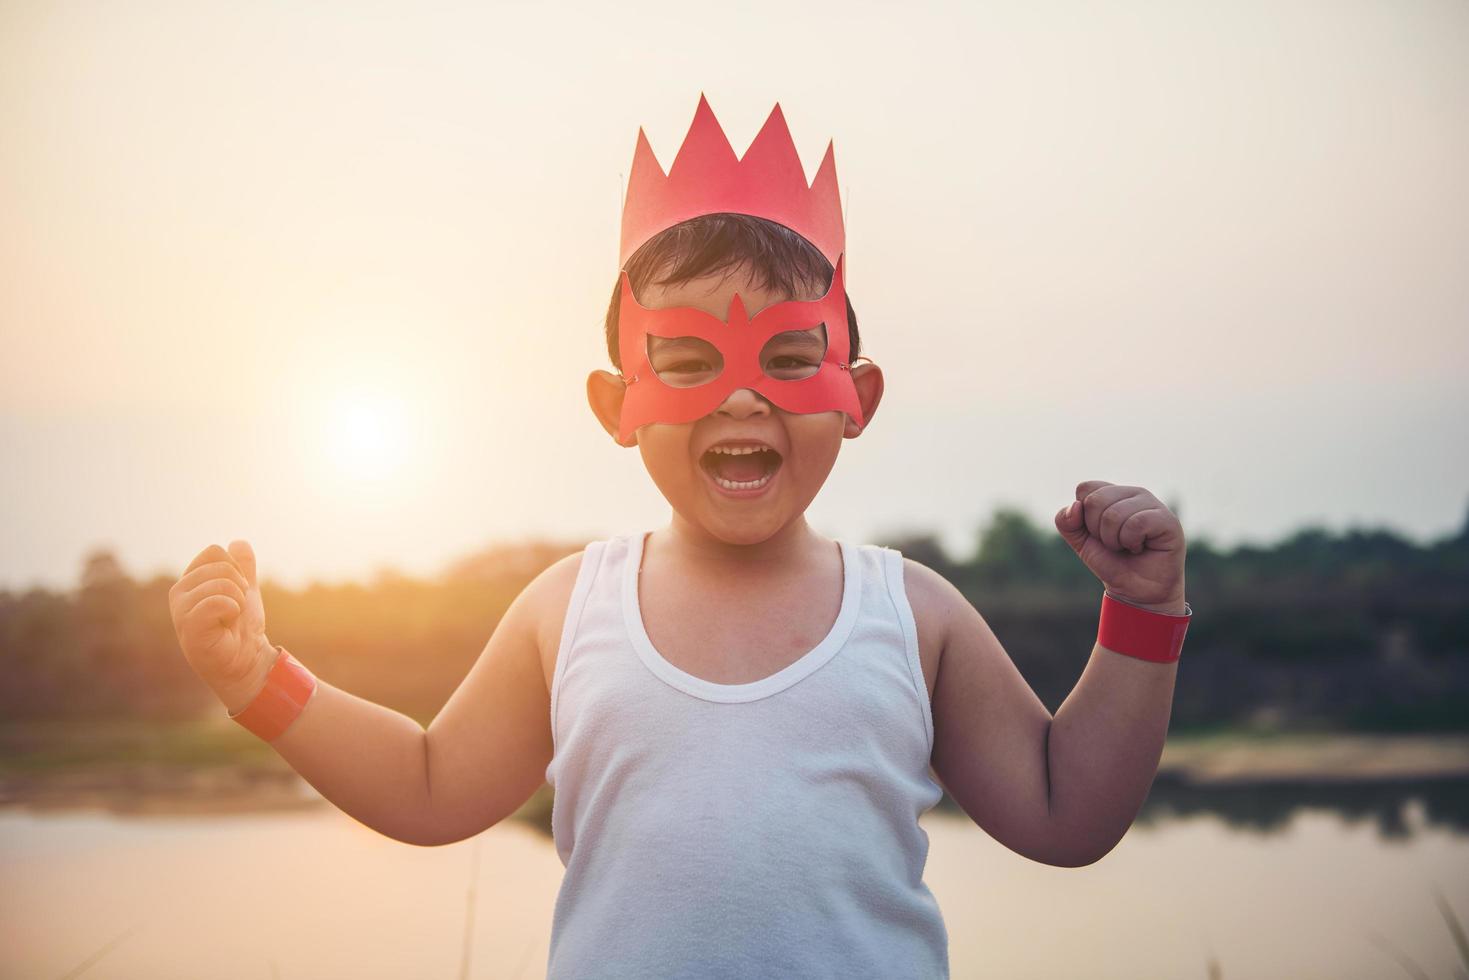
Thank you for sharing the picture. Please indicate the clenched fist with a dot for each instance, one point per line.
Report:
(1129, 540)
(220, 622)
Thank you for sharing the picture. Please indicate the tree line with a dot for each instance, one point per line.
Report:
(1358, 630)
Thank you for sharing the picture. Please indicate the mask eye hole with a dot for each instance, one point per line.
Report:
(684, 362)
(794, 354)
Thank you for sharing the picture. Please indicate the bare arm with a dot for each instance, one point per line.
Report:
(1062, 790)
(488, 749)
(1105, 743)
(365, 758)
(479, 760)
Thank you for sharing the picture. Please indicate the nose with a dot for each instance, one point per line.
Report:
(744, 403)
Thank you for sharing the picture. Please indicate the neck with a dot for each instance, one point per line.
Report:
(790, 544)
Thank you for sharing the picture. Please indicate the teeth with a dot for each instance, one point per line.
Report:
(736, 450)
(743, 485)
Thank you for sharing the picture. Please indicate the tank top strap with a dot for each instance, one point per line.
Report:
(897, 591)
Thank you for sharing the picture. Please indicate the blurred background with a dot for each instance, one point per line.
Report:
(330, 278)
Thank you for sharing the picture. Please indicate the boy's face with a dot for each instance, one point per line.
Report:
(744, 497)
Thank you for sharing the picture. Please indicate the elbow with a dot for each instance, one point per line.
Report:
(1073, 859)
(442, 829)
(421, 837)
(427, 841)
(417, 834)
(1079, 853)
(428, 837)
(423, 826)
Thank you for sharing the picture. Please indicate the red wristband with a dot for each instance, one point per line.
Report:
(288, 687)
(1129, 629)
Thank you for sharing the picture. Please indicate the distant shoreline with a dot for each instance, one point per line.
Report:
(1232, 758)
(130, 781)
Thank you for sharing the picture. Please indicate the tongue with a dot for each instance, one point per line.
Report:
(740, 469)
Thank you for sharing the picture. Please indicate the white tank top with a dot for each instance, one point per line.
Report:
(767, 829)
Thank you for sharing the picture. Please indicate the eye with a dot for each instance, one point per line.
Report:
(790, 367)
(794, 354)
(684, 362)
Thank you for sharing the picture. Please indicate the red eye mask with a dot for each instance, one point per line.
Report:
(739, 341)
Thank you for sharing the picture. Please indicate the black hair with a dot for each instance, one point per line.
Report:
(777, 258)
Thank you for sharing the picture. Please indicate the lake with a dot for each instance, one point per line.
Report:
(1266, 882)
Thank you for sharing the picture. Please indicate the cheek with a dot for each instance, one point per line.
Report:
(816, 439)
(665, 452)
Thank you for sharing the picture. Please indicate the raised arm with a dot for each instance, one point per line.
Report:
(479, 760)
(1062, 790)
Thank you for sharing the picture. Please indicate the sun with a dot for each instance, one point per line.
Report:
(367, 435)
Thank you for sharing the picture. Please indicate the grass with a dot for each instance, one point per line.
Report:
(35, 748)
(99, 953)
(469, 914)
(1406, 963)
(38, 748)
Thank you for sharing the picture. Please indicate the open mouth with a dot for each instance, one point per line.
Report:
(740, 466)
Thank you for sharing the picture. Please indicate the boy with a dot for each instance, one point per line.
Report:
(738, 714)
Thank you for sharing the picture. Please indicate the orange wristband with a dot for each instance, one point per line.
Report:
(1142, 633)
(288, 687)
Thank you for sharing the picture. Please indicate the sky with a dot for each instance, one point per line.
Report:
(330, 277)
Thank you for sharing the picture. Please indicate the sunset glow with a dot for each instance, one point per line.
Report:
(366, 435)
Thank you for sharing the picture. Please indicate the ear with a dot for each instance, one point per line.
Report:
(605, 391)
(868, 379)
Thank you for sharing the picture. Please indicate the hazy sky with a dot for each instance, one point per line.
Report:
(330, 277)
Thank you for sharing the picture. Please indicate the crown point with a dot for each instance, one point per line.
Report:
(826, 173)
(644, 159)
(776, 120)
(704, 144)
(774, 152)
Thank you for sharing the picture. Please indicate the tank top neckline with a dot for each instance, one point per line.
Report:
(707, 690)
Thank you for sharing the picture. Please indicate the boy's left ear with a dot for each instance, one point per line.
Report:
(868, 379)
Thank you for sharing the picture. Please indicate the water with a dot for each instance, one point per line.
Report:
(313, 893)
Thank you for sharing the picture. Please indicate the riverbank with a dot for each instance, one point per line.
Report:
(203, 767)
(1241, 757)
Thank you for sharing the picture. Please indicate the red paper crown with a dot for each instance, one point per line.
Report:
(707, 177)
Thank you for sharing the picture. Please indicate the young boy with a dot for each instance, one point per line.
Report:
(739, 715)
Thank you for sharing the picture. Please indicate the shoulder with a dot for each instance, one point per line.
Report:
(555, 581)
(936, 604)
(545, 600)
(934, 599)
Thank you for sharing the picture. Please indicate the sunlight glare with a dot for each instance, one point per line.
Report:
(367, 435)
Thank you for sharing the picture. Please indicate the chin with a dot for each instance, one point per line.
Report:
(734, 528)
(744, 532)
